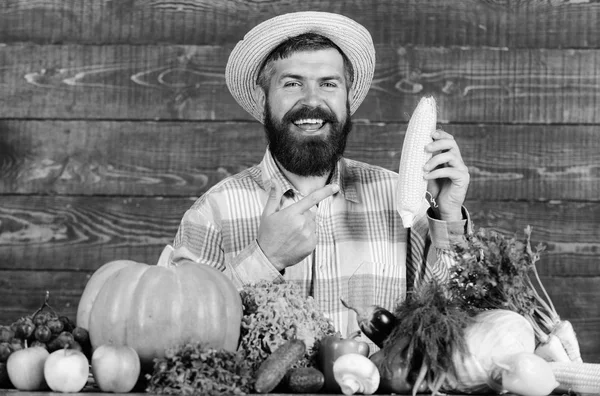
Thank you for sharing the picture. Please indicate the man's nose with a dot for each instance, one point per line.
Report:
(312, 96)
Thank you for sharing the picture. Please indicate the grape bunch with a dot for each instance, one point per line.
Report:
(44, 328)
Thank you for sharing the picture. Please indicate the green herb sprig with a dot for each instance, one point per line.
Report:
(494, 271)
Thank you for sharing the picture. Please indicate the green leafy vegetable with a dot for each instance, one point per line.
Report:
(493, 271)
(434, 326)
(275, 313)
(192, 369)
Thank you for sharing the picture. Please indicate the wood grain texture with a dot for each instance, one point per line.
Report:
(569, 230)
(115, 82)
(150, 82)
(506, 23)
(80, 233)
(123, 158)
(506, 162)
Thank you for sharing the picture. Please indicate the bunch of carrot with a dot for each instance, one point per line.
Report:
(557, 338)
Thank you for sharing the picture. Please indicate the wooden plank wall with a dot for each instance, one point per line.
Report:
(114, 117)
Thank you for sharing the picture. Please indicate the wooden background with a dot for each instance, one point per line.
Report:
(115, 117)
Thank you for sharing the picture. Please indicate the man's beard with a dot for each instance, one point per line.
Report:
(307, 155)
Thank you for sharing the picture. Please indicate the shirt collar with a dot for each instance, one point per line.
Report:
(341, 176)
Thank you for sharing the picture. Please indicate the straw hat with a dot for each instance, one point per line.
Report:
(248, 55)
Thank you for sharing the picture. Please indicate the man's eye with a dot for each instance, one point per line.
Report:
(329, 84)
(291, 84)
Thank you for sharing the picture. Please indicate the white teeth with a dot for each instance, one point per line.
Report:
(309, 121)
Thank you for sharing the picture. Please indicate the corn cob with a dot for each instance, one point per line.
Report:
(577, 377)
(411, 189)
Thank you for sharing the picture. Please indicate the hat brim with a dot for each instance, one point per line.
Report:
(245, 60)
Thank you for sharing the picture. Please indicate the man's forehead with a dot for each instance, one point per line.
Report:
(326, 60)
(331, 53)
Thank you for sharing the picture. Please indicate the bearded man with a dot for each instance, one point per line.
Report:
(306, 214)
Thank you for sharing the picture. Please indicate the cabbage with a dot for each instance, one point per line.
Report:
(493, 337)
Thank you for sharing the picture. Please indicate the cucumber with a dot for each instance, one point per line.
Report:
(305, 380)
(274, 368)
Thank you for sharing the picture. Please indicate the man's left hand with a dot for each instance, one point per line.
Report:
(447, 175)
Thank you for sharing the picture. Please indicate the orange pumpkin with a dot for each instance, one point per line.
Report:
(153, 307)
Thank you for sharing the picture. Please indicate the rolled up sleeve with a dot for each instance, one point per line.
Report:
(446, 234)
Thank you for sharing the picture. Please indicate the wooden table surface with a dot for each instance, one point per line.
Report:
(91, 389)
(96, 392)
(12, 392)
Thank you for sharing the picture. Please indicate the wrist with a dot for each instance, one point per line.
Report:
(275, 263)
(453, 215)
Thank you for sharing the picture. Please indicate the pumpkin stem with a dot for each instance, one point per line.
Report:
(164, 260)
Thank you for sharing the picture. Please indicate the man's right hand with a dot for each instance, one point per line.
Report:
(288, 235)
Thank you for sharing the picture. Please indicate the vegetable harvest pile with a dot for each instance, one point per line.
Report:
(486, 330)
(489, 328)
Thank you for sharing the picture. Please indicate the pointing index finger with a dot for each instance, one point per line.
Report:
(314, 198)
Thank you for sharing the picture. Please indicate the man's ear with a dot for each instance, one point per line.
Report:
(350, 94)
(261, 98)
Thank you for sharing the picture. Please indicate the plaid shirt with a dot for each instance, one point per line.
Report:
(363, 254)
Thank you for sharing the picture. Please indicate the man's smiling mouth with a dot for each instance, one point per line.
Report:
(309, 124)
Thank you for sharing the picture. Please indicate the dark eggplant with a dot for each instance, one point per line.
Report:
(375, 322)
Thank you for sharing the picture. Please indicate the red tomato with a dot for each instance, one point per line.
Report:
(116, 368)
(331, 348)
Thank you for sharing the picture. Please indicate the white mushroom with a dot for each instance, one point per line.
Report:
(356, 373)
